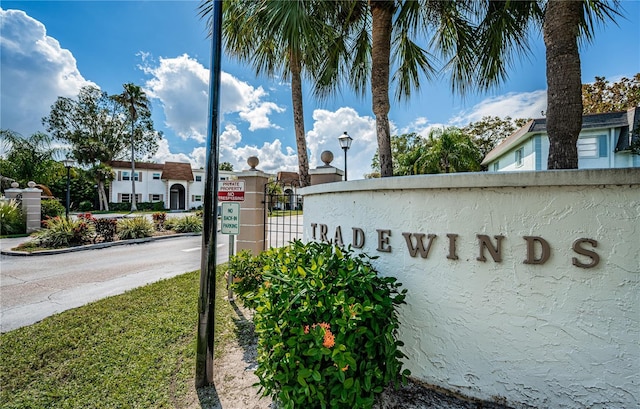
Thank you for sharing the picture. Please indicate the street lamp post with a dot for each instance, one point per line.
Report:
(68, 163)
(345, 143)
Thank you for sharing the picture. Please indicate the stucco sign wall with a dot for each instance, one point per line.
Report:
(522, 287)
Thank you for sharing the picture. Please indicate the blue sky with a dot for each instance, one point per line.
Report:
(52, 48)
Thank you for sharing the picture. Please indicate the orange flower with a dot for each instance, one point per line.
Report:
(306, 329)
(329, 339)
(345, 368)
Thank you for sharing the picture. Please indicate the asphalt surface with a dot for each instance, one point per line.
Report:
(35, 287)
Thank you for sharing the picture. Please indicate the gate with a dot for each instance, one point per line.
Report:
(283, 213)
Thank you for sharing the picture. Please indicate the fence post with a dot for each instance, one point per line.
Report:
(325, 173)
(252, 214)
(32, 206)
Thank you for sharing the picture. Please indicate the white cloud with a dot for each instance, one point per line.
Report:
(164, 154)
(181, 84)
(515, 105)
(328, 126)
(36, 70)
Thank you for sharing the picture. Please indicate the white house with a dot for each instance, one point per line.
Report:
(177, 184)
(604, 142)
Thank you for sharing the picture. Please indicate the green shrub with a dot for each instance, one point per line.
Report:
(51, 208)
(60, 232)
(85, 206)
(187, 224)
(134, 228)
(142, 206)
(12, 220)
(326, 325)
(248, 270)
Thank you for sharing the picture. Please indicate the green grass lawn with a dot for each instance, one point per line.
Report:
(136, 350)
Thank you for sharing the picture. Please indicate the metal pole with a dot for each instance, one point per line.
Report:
(230, 275)
(68, 193)
(206, 298)
(345, 163)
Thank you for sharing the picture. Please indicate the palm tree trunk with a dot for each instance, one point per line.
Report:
(102, 196)
(382, 14)
(564, 82)
(298, 119)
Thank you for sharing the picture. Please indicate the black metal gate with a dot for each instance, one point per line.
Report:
(283, 213)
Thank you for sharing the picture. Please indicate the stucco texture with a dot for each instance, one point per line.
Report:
(544, 335)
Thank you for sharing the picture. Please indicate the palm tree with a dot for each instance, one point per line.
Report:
(30, 158)
(279, 38)
(448, 150)
(454, 30)
(134, 98)
(564, 23)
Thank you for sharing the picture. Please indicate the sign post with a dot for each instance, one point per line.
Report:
(230, 193)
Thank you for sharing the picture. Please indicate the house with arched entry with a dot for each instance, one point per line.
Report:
(177, 184)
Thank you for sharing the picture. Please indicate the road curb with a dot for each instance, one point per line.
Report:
(93, 246)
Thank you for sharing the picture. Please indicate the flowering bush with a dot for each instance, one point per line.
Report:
(106, 228)
(326, 325)
(103, 229)
(62, 232)
(159, 219)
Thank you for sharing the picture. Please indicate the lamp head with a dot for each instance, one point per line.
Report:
(345, 141)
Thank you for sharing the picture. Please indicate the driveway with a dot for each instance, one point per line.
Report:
(35, 287)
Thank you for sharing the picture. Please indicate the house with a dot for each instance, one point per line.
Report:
(604, 142)
(177, 184)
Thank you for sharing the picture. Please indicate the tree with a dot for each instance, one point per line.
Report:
(489, 131)
(564, 23)
(450, 150)
(282, 39)
(137, 103)
(473, 38)
(29, 159)
(95, 125)
(603, 96)
(406, 149)
(226, 166)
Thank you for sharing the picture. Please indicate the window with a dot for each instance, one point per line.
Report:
(196, 198)
(519, 156)
(126, 197)
(155, 198)
(126, 176)
(198, 178)
(156, 176)
(592, 147)
(496, 166)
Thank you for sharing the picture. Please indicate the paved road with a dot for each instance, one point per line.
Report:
(32, 288)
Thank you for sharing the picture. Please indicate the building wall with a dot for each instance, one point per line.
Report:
(535, 156)
(555, 326)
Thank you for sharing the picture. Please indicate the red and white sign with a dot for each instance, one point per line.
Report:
(231, 191)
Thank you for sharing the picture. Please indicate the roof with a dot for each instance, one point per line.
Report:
(177, 171)
(139, 165)
(624, 119)
(289, 177)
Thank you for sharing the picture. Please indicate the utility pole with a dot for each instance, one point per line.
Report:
(206, 298)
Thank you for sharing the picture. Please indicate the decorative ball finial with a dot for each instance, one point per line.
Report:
(31, 184)
(15, 185)
(326, 157)
(253, 162)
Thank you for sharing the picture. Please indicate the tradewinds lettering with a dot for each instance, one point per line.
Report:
(538, 250)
